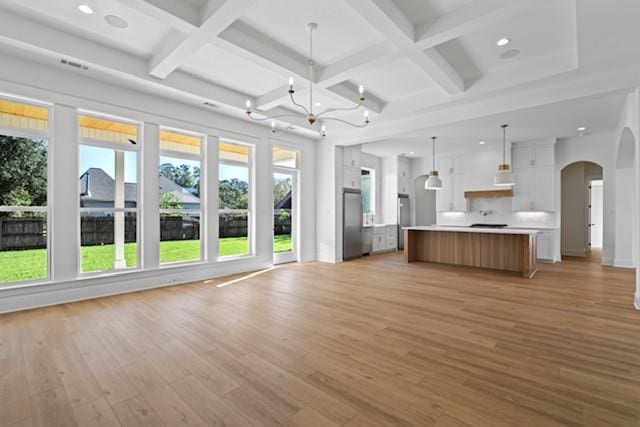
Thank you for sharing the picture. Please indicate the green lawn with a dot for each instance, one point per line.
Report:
(16, 266)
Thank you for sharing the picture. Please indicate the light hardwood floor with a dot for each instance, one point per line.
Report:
(365, 343)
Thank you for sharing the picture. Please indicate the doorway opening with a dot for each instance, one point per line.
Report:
(581, 220)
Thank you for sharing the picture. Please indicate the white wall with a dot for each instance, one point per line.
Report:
(69, 90)
(598, 149)
(630, 122)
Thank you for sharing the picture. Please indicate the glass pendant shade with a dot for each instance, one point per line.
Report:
(504, 177)
(433, 182)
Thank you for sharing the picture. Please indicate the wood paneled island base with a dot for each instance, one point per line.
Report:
(501, 249)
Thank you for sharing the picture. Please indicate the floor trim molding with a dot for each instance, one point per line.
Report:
(636, 303)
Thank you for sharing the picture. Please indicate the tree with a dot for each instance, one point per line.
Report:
(169, 201)
(23, 171)
(281, 189)
(233, 194)
(183, 176)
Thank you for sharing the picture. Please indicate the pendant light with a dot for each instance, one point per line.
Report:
(504, 177)
(433, 182)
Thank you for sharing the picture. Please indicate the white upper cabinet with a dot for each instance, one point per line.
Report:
(451, 170)
(534, 171)
(351, 169)
(404, 175)
(543, 188)
(522, 157)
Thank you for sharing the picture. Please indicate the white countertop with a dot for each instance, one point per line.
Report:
(473, 230)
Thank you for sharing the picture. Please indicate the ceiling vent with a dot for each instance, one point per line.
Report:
(74, 64)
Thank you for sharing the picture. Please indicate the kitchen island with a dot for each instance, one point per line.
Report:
(493, 248)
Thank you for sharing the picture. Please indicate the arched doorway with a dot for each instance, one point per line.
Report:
(425, 204)
(582, 216)
(625, 206)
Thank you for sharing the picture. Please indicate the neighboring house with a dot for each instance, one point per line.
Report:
(97, 190)
(285, 203)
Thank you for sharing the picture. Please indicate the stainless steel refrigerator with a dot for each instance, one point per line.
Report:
(351, 224)
(404, 217)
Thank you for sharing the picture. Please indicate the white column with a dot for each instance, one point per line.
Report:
(209, 188)
(118, 223)
(262, 206)
(149, 215)
(65, 200)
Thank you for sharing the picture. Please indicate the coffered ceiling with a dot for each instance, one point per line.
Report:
(424, 63)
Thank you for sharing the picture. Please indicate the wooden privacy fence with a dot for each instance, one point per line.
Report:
(31, 233)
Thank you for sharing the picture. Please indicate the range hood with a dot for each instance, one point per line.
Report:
(488, 194)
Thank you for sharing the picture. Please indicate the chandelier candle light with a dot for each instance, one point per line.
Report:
(311, 116)
(433, 182)
(504, 177)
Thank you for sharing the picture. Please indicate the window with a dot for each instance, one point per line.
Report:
(108, 194)
(180, 207)
(285, 196)
(234, 200)
(368, 186)
(23, 192)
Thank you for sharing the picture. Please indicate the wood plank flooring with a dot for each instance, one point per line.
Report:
(371, 342)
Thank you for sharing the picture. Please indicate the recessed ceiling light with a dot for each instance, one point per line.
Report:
(116, 21)
(481, 142)
(318, 104)
(412, 153)
(503, 41)
(511, 53)
(582, 129)
(86, 9)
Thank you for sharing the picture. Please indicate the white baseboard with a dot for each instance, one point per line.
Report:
(28, 297)
(623, 263)
(574, 252)
(607, 261)
(636, 302)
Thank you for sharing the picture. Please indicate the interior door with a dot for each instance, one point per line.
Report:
(285, 229)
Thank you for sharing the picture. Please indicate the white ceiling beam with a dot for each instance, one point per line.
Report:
(219, 15)
(282, 59)
(353, 64)
(242, 40)
(389, 20)
(348, 90)
(467, 19)
(47, 41)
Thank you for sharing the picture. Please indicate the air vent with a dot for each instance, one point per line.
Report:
(211, 105)
(74, 64)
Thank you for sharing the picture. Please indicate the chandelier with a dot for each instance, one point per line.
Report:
(312, 116)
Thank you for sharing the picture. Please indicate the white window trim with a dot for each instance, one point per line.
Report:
(116, 147)
(204, 235)
(249, 164)
(47, 136)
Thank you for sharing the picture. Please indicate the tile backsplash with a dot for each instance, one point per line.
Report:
(496, 211)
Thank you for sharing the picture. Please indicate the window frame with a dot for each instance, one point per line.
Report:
(48, 137)
(137, 148)
(251, 202)
(372, 189)
(203, 188)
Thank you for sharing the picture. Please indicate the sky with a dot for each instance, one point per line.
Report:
(104, 158)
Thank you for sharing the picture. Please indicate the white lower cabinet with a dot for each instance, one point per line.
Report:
(545, 246)
(385, 238)
(367, 240)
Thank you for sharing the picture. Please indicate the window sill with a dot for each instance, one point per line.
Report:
(235, 257)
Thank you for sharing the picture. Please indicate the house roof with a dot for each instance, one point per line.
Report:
(97, 185)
